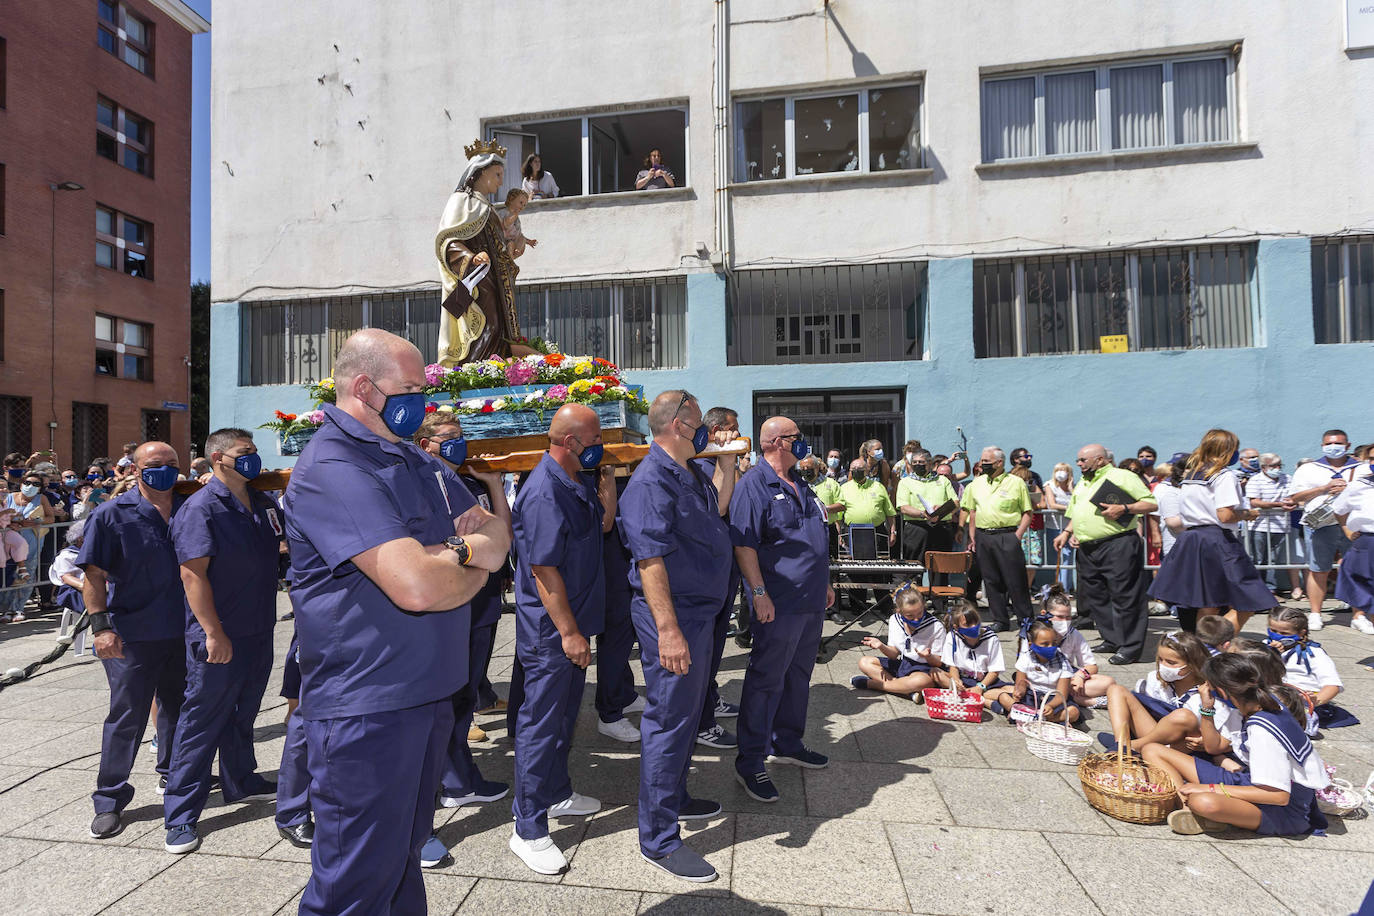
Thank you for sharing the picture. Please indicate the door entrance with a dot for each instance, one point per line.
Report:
(843, 419)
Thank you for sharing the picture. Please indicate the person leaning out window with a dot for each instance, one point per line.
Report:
(654, 175)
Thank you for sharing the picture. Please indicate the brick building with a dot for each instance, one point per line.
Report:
(95, 202)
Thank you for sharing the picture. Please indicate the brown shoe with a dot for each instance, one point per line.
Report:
(476, 734)
(498, 706)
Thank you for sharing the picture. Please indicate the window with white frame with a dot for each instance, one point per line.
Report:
(123, 243)
(124, 137)
(125, 35)
(1159, 299)
(1343, 289)
(636, 324)
(871, 129)
(123, 349)
(1110, 107)
(597, 152)
(294, 341)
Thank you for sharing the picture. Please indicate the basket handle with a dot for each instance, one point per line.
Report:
(1123, 747)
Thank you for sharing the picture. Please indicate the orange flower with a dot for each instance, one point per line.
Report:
(554, 359)
(285, 416)
(608, 379)
(597, 389)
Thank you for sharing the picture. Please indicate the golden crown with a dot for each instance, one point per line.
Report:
(484, 148)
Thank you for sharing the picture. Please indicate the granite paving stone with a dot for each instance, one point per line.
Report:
(815, 861)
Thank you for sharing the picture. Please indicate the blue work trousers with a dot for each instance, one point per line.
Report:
(772, 713)
(293, 778)
(460, 775)
(615, 680)
(708, 708)
(149, 668)
(668, 729)
(543, 734)
(372, 784)
(222, 702)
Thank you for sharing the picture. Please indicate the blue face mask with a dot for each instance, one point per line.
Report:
(968, 632)
(1044, 652)
(591, 454)
(1224, 700)
(402, 413)
(800, 448)
(700, 439)
(92, 476)
(1280, 637)
(1235, 459)
(249, 466)
(454, 451)
(160, 479)
(1251, 464)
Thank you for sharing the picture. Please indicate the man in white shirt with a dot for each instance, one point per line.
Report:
(1268, 491)
(1315, 485)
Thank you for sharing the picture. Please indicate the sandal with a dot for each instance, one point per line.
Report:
(1185, 822)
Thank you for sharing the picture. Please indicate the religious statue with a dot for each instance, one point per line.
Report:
(478, 320)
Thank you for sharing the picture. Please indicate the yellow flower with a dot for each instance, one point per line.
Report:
(327, 383)
(582, 387)
(584, 367)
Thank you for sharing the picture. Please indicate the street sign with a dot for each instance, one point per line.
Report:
(1113, 343)
(174, 405)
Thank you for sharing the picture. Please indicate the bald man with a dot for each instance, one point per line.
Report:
(777, 527)
(563, 509)
(387, 549)
(139, 629)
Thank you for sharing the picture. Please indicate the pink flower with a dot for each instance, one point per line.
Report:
(434, 373)
(557, 393)
(315, 416)
(520, 373)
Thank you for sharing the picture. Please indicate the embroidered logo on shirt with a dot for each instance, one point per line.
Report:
(274, 521)
(439, 477)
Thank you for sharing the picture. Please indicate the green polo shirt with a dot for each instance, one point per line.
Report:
(926, 493)
(866, 503)
(827, 490)
(1089, 524)
(997, 502)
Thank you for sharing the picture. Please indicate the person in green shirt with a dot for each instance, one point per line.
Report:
(827, 490)
(997, 509)
(929, 507)
(1111, 558)
(866, 501)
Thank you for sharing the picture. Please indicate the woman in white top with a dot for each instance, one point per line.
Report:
(537, 183)
(1058, 490)
(1207, 567)
(1277, 792)
(1354, 508)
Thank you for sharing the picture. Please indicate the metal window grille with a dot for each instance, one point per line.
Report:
(838, 314)
(1343, 289)
(16, 425)
(293, 342)
(842, 419)
(90, 433)
(156, 426)
(636, 324)
(1160, 299)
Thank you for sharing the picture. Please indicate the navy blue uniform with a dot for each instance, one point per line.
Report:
(707, 466)
(615, 680)
(557, 522)
(376, 681)
(671, 512)
(128, 539)
(786, 525)
(461, 776)
(222, 701)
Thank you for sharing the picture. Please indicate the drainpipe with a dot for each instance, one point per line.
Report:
(720, 126)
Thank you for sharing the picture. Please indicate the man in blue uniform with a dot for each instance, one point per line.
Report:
(615, 681)
(559, 518)
(778, 529)
(227, 538)
(139, 629)
(723, 426)
(461, 782)
(681, 550)
(380, 584)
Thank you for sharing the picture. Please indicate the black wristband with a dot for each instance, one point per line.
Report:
(100, 622)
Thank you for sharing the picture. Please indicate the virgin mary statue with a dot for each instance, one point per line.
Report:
(479, 322)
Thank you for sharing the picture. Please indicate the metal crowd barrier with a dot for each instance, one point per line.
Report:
(52, 539)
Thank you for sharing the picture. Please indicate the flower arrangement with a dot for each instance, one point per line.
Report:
(536, 369)
(322, 391)
(582, 391)
(290, 424)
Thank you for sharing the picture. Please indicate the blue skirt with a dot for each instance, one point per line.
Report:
(1329, 715)
(901, 666)
(1355, 583)
(969, 680)
(1207, 567)
(1157, 709)
(1300, 816)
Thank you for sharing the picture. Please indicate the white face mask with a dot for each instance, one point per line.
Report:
(29, 490)
(1171, 674)
(1273, 473)
(1334, 450)
(1060, 626)
(1061, 476)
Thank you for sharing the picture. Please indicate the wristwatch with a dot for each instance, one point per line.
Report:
(758, 590)
(460, 547)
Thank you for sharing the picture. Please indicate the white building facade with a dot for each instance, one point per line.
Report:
(1043, 223)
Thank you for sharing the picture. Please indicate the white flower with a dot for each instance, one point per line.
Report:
(445, 408)
(498, 404)
(534, 396)
(535, 359)
(473, 404)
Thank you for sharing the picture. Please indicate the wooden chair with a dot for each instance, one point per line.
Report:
(942, 563)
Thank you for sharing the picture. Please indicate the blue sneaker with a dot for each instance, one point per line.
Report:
(435, 853)
(758, 786)
(485, 791)
(725, 710)
(181, 840)
(859, 681)
(805, 757)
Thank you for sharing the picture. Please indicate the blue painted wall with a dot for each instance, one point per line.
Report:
(1278, 396)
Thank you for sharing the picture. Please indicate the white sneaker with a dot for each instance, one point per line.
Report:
(575, 805)
(636, 706)
(1314, 621)
(540, 855)
(1363, 624)
(620, 730)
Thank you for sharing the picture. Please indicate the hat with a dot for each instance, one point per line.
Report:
(1180, 457)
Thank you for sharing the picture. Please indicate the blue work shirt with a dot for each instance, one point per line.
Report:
(787, 528)
(557, 522)
(243, 547)
(486, 604)
(127, 538)
(671, 512)
(352, 491)
(615, 556)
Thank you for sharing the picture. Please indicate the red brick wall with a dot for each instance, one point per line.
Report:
(47, 134)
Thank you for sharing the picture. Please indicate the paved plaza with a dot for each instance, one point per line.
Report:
(912, 816)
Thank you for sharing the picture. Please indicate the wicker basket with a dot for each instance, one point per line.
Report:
(952, 706)
(1343, 801)
(1119, 797)
(1052, 741)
